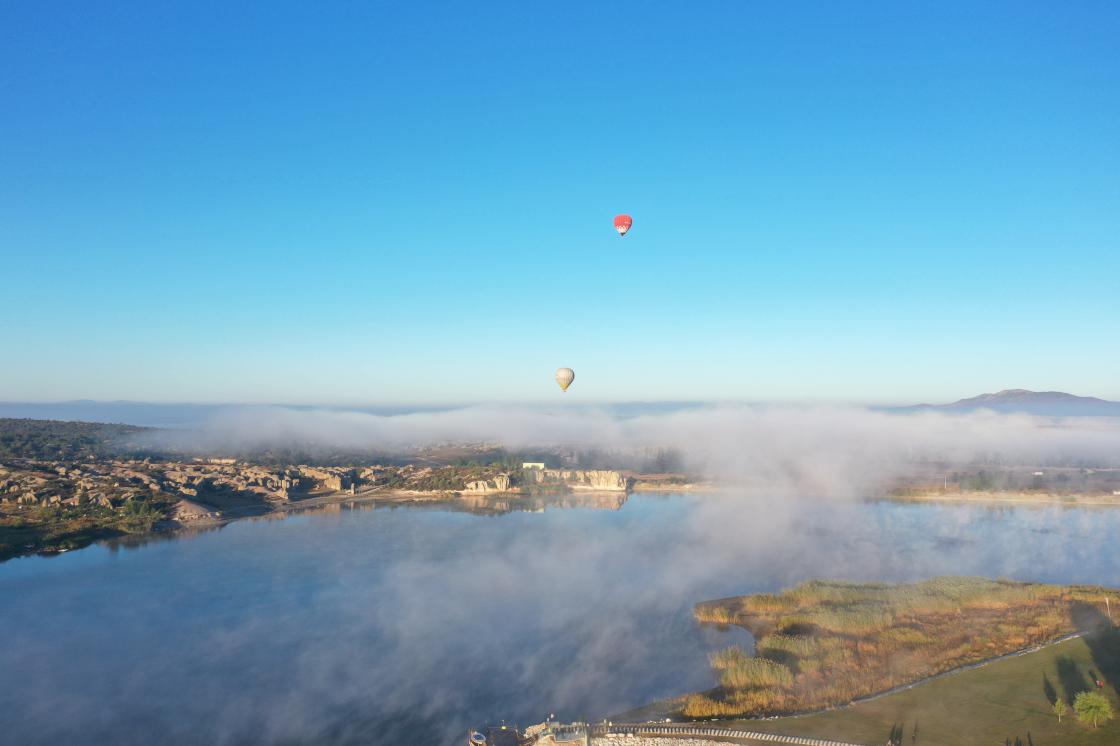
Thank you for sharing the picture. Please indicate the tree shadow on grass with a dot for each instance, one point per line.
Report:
(1072, 680)
(1103, 642)
(1049, 690)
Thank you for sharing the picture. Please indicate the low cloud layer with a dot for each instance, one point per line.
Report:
(825, 450)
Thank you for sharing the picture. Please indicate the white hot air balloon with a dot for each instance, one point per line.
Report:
(564, 377)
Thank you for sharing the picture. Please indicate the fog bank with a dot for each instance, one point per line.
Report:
(826, 450)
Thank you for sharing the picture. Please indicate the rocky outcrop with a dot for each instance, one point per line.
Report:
(332, 479)
(500, 483)
(588, 479)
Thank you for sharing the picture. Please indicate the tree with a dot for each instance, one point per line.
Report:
(1060, 708)
(1092, 708)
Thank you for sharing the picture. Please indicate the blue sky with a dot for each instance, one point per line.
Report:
(412, 202)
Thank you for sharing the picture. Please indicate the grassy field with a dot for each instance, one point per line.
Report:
(1008, 699)
(823, 643)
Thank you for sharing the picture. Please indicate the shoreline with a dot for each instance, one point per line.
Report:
(1072, 500)
(682, 487)
(404, 497)
(311, 503)
(171, 526)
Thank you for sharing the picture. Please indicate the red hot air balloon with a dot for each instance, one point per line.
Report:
(622, 223)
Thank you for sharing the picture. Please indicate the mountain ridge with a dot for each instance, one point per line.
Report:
(1025, 401)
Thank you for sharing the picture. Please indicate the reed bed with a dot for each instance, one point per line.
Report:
(825, 643)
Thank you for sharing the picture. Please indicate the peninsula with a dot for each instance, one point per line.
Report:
(824, 644)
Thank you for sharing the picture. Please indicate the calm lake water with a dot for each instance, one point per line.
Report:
(409, 624)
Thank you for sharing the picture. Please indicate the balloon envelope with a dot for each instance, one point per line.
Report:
(622, 223)
(564, 377)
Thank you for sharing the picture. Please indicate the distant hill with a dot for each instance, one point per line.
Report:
(146, 414)
(1021, 401)
(126, 412)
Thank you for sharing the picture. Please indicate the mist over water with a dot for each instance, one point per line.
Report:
(414, 623)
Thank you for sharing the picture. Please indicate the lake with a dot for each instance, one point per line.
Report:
(408, 624)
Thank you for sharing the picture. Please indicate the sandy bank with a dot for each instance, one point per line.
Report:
(640, 486)
(1003, 498)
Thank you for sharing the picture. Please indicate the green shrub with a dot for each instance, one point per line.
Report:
(1092, 708)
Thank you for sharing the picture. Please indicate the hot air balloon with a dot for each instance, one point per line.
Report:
(564, 377)
(622, 223)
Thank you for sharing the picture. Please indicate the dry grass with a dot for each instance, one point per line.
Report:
(827, 643)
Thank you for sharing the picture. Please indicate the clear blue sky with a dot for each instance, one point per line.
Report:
(412, 202)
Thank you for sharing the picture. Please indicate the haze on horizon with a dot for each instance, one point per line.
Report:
(386, 204)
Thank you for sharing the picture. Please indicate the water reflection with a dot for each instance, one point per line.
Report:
(473, 504)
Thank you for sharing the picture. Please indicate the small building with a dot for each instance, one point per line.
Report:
(532, 465)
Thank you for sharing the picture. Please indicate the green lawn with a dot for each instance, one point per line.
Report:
(1007, 699)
